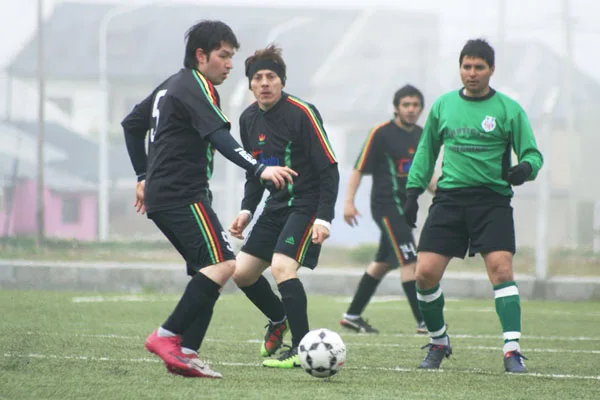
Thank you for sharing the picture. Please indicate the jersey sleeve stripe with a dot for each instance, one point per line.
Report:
(316, 125)
(362, 158)
(209, 91)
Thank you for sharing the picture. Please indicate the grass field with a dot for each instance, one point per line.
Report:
(90, 346)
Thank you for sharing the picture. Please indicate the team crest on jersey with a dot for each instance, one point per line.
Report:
(261, 139)
(489, 123)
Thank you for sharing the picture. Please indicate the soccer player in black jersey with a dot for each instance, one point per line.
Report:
(280, 129)
(387, 156)
(186, 125)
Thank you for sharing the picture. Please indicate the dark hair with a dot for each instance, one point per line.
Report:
(208, 36)
(479, 48)
(270, 53)
(405, 91)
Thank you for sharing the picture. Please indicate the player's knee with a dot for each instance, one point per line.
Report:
(228, 268)
(282, 273)
(426, 277)
(378, 270)
(243, 277)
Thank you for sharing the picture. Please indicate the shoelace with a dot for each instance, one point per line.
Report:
(430, 353)
(364, 322)
(289, 353)
(520, 357)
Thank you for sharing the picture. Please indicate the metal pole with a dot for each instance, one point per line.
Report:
(544, 190)
(567, 90)
(103, 173)
(40, 133)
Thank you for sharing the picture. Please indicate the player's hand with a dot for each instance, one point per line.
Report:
(319, 233)
(518, 174)
(411, 207)
(351, 214)
(239, 224)
(139, 205)
(279, 176)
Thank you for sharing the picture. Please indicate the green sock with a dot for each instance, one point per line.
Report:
(431, 304)
(508, 307)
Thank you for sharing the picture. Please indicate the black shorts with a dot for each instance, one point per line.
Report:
(284, 231)
(196, 233)
(396, 243)
(481, 224)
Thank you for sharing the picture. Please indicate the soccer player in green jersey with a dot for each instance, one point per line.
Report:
(479, 127)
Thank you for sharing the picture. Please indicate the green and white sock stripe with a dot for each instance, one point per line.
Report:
(508, 307)
(429, 295)
(431, 304)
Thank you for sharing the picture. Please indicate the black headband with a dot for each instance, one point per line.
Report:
(271, 65)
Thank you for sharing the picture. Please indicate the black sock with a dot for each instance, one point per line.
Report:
(265, 299)
(193, 336)
(410, 290)
(366, 288)
(199, 292)
(295, 304)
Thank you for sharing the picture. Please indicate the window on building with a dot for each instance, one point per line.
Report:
(70, 209)
(64, 103)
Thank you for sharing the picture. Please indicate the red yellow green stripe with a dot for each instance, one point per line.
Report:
(304, 243)
(209, 91)
(390, 232)
(318, 127)
(212, 241)
(362, 158)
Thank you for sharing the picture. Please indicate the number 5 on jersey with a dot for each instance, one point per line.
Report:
(156, 113)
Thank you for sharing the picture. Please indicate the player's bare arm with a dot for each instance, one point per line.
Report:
(351, 213)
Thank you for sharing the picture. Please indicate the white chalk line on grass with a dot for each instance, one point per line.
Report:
(134, 298)
(400, 335)
(239, 364)
(401, 346)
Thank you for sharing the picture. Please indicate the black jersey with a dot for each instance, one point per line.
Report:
(387, 155)
(289, 134)
(179, 114)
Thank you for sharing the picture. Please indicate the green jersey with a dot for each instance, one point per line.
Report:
(478, 135)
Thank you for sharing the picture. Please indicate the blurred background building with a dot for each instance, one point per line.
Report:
(347, 61)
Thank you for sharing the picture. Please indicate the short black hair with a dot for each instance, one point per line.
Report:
(208, 36)
(479, 48)
(406, 91)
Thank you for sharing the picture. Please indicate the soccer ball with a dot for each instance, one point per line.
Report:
(322, 353)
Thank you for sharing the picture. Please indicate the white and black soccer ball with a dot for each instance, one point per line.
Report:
(322, 353)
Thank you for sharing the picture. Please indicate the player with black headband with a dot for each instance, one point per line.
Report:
(186, 125)
(280, 129)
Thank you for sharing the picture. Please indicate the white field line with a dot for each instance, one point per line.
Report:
(401, 346)
(400, 335)
(235, 364)
(134, 298)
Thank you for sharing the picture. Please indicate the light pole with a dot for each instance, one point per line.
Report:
(236, 103)
(40, 215)
(103, 176)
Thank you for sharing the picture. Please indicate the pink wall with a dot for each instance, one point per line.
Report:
(24, 218)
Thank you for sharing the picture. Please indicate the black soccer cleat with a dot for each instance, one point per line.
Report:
(435, 355)
(358, 325)
(513, 362)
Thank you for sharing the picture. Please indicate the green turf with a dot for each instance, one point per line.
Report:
(55, 348)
